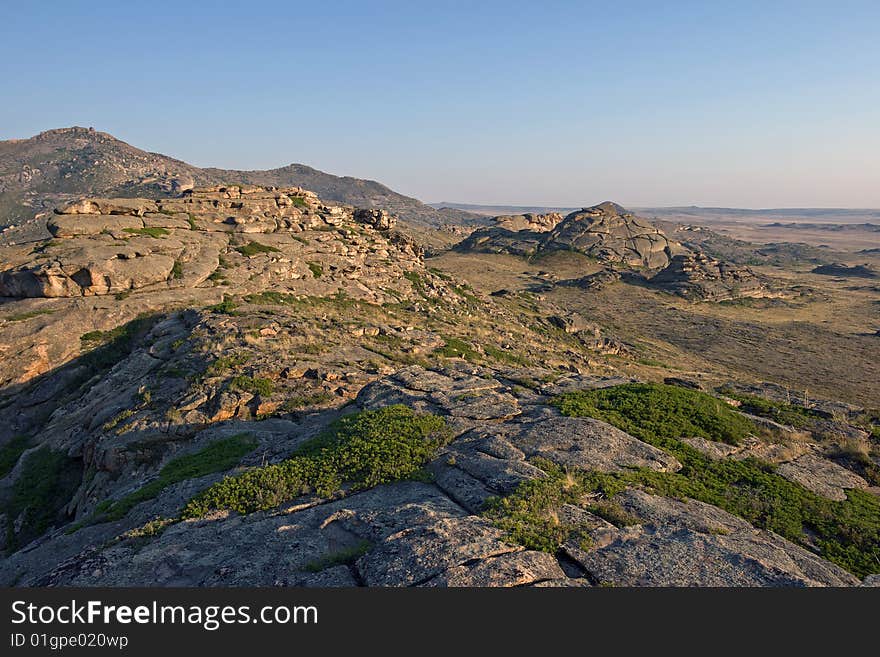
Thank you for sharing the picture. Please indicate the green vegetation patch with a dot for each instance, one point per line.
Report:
(795, 416)
(341, 557)
(357, 451)
(505, 356)
(225, 307)
(311, 399)
(256, 385)
(19, 317)
(655, 412)
(46, 482)
(149, 232)
(219, 456)
(846, 533)
(177, 269)
(316, 269)
(11, 452)
(457, 348)
(255, 248)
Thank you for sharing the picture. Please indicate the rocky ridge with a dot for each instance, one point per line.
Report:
(60, 165)
(433, 533)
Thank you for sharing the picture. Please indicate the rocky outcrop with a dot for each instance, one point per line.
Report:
(821, 476)
(112, 246)
(845, 271)
(606, 232)
(430, 532)
(596, 281)
(610, 233)
(537, 223)
(699, 277)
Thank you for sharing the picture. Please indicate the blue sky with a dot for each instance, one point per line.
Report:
(748, 104)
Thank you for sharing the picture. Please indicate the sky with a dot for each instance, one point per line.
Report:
(734, 104)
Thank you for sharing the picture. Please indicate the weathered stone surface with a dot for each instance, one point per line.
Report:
(538, 223)
(136, 207)
(711, 448)
(590, 444)
(73, 225)
(511, 569)
(415, 555)
(821, 476)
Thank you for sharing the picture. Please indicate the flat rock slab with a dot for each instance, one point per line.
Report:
(712, 448)
(591, 445)
(415, 555)
(821, 476)
(454, 394)
(511, 569)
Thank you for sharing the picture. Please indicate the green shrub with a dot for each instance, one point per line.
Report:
(219, 456)
(255, 385)
(149, 232)
(846, 533)
(225, 307)
(177, 269)
(191, 220)
(504, 356)
(311, 399)
(528, 515)
(28, 315)
(255, 248)
(272, 298)
(357, 451)
(342, 557)
(39, 494)
(648, 410)
(316, 269)
(225, 363)
(456, 348)
(795, 416)
(11, 452)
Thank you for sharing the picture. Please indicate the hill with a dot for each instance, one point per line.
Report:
(60, 165)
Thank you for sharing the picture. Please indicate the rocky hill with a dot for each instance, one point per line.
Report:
(249, 385)
(55, 166)
(606, 232)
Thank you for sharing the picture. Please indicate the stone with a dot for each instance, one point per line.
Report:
(821, 476)
(590, 444)
(511, 569)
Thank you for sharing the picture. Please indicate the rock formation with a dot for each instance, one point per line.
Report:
(606, 232)
(699, 277)
(112, 246)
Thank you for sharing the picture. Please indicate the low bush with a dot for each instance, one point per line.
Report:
(219, 456)
(357, 451)
(846, 533)
(255, 248)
